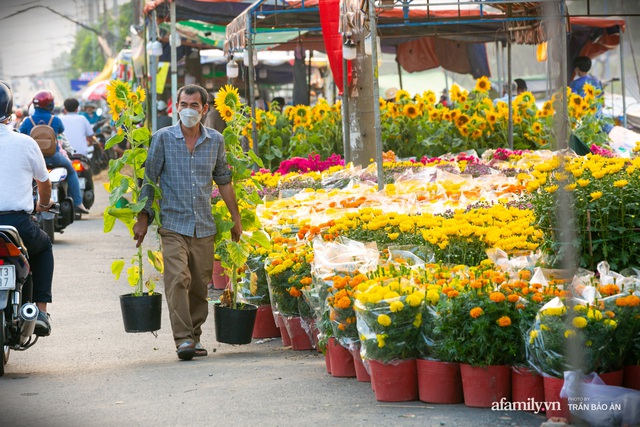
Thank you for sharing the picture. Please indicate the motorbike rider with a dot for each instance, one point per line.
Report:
(77, 128)
(43, 104)
(21, 162)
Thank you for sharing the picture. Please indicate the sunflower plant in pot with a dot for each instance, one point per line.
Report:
(234, 319)
(141, 311)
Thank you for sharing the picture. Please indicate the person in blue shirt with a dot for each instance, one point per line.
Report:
(43, 104)
(582, 65)
(90, 113)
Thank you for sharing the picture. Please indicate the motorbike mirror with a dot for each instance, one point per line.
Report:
(99, 111)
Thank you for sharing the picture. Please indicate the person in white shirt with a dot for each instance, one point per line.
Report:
(21, 162)
(77, 128)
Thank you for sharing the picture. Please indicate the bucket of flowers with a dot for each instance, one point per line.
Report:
(389, 314)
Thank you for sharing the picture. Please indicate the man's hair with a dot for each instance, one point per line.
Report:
(583, 63)
(521, 84)
(71, 105)
(191, 89)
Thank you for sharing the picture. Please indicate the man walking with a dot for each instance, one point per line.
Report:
(184, 159)
(77, 128)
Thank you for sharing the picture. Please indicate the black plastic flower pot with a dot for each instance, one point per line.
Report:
(234, 326)
(141, 313)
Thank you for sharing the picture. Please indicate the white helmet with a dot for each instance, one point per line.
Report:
(162, 105)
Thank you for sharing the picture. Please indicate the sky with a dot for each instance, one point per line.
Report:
(30, 41)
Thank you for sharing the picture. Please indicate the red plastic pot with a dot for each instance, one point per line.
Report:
(552, 387)
(265, 326)
(614, 378)
(361, 371)
(219, 278)
(394, 382)
(525, 385)
(286, 339)
(632, 377)
(341, 360)
(484, 385)
(300, 339)
(439, 382)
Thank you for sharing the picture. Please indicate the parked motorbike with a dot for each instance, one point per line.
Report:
(18, 314)
(57, 221)
(82, 166)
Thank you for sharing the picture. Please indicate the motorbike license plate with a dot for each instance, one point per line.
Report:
(83, 182)
(7, 277)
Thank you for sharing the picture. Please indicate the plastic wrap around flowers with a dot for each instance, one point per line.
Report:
(555, 332)
(341, 311)
(389, 315)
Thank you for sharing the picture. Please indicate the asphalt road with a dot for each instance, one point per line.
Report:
(89, 372)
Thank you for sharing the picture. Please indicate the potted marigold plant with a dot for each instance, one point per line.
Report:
(478, 329)
(389, 314)
(141, 311)
(234, 320)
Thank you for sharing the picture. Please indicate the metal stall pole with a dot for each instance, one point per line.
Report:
(252, 79)
(153, 70)
(499, 68)
(624, 95)
(376, 91)
(509, 92)
(174, 64)
(346, 134)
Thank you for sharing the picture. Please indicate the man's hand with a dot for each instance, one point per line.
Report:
(140, 228)
(236, 231)
(43, 207)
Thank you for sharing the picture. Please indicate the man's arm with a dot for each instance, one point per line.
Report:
(44, 196)
(153, 165)
(229, 197)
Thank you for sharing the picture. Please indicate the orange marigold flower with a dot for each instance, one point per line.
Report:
(608, 290)
(453, 293)
(497, 297)
(476, 312)
(633, 301)
(513, 298)
(524, 274)
(344, 302)
(295, 292)
(537, 298)
(306, 281)
(504, 321)
(520, 306)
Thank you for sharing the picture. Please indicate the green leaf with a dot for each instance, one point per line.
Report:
(141, 134)
(255, 158)
(109, 221)
(115, 139)
(238, 253)
(116, 267)
(259, 237)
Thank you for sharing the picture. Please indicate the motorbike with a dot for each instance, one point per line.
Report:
(57, 221)
(18, 314)
(82, 166)
(101, 157)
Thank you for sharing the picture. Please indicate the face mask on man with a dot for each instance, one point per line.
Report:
(190, 117)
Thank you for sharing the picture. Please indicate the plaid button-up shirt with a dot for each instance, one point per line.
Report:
(185, 179)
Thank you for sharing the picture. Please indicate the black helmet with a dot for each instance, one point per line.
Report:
(6, 101)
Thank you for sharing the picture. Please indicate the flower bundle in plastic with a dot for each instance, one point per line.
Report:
(389, 315)
(557, 329)
(341, 311)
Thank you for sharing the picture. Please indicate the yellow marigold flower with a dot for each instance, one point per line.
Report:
(504, 321)
(533, 334)
(569, 333)
(384, 320)
(579, 322)
(476, 312)
(611, 323)
(418, 320)
(380, 338)
(415, 299)
(594, 314)
(596, 195)
(620, 183)
(433, 296)
(396, 306)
